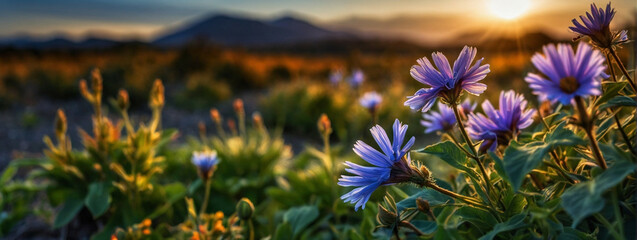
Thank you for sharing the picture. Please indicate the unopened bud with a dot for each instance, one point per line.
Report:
(386, 217)
(238, 106)
(214, 115)
(157, 95)
(257, 120)
(84, 91)
(245, 209)
(424, 171)
(232, 125)
(96, 82)
(545, 109)
(122, 100)
(97, 167)
(324, 125)
(423, 205)
(60, 123)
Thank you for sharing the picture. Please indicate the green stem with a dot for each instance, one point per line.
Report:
(623, 69)
(204, 204)
(560, 171)
(608, 225)
(463, 198)
(617, 120)
(251, 226)
(618, 215)
(588, 128)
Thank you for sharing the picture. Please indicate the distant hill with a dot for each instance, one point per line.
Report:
(239, 31)
(60, 42)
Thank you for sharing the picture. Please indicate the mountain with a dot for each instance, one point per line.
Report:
(58, 42)
(240, 31)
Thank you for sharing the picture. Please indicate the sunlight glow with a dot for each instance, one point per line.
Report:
(508, 9)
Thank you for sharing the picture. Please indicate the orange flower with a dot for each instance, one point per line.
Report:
(195, 236)
(113, 237)
(146, 231)
(219, 215)
(219, 226)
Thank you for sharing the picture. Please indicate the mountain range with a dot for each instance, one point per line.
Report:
(240, 31)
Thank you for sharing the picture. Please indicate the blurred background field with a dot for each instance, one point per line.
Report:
(278, 61)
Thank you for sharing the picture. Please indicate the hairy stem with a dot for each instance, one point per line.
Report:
(623, 69)
(204, 204)
(587, 123)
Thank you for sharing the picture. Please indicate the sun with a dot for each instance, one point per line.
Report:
(508, 9)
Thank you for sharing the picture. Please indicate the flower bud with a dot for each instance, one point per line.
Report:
(60, 123)
(84, 91)
(423, 205)
(157, 95)
(122, 100)
(232, 125)
(257, 120)
(215, 116)
(324, 125)
(386, 217)
(202, 128)
(245, 209)
(238, 106)
(96, 82)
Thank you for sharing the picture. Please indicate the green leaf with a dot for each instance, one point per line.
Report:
(174, 192)
(451, 154)
(585, 199)
(300, 217)
(619, 101)
(513, 223)
(611, 89)
(71, 207)
(520, 159)
(98, 199)
(283, 232)
(434, 198)
(427, 227)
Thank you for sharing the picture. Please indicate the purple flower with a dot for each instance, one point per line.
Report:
(388, 165)
(445, 82)
(357, 78)
(370, 100)
(596, 25)
(502, 125)
(443, 120)
(336, 76)
(467, 107)
(566, 74)
(205, 162)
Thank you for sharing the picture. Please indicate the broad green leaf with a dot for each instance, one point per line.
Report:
(434, 198)
(300, 217)
(98, 199)
(619, 101)
(283, 232)
(427, 227)
(174, 192)
(71, 207)
(513, 223)
(611, 90)
(585, 199)
(451, 154)
(520, 159)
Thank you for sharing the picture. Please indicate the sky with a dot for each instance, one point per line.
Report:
(145, 19)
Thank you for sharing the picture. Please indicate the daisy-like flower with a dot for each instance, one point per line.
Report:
(391, 166)
(370, 100)
(336, 76)
(596, 25)
(443, 120)
(357, 78)
(206, 162)
(466, 107)
(502, 125)
(446, 82)
(566, 74)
